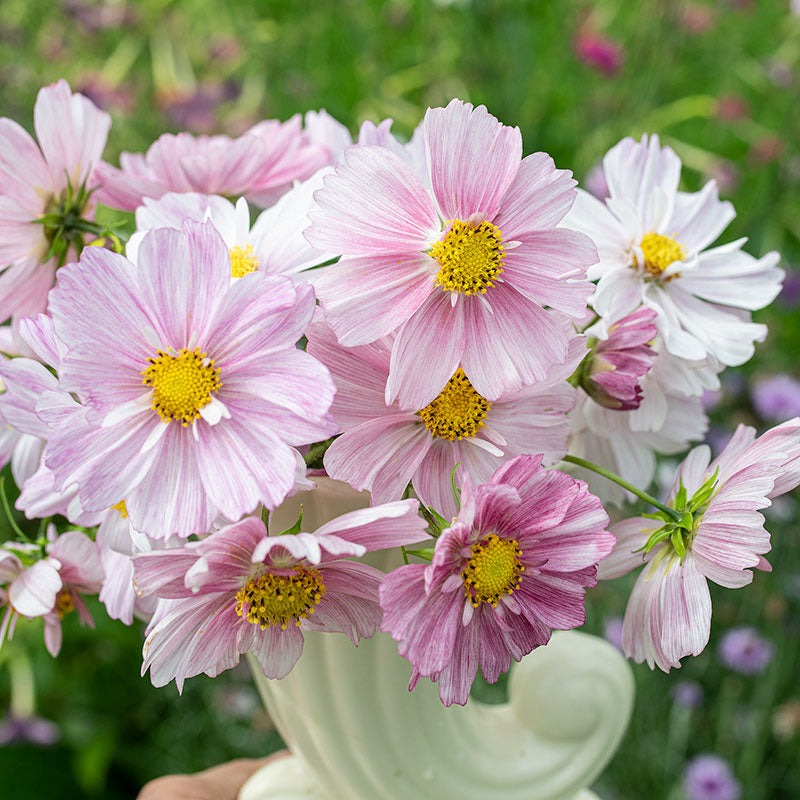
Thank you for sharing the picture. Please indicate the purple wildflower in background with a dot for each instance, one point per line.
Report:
(612, 631)
(776, 398)
(790, 294)
(28, 730)
(688, 694)
(744, 650)
(708, 777)
(598, 52)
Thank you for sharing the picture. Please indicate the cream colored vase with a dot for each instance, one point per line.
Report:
(356, 733)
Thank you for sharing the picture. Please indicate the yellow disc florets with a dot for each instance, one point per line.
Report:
(457, 411)
(64, 602)
(243, 261)
(659, 252)
(280, 600)
(494, 569)
(469, 257)
(182, 384)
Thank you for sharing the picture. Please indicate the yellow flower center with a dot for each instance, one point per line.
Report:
(121, 508)
(494, 569)
(280, 599)
(659, 252)
(469, 257)
(64, 602)
(457, 411)
(182, 384)
(242, 261)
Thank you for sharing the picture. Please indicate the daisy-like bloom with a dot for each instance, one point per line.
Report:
(275, 244)
(514, 565)
(242, 590)
(611, 375)
(191, 391)
(262, 163)
(383, 447)
(53, 178)
(709, 777)
(653, 244)
(626, 442)
(50, 587)
(463, 269)
(720, 537)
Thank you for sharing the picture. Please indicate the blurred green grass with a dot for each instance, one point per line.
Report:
(719, 81)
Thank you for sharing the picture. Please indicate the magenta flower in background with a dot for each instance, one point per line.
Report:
(71, 134)
(514, 565)
(383, 447)
(745, 650)
(611, 376)
(721, 538)
(790, 293)
(262, 163)
(193, 394)
(776, 398)
(598, 52)
(242, 590)
(461, 267)
(708, 777)
(28, 730)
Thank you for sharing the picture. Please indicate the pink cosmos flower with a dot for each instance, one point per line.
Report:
(653, 244)
(50, 587)
(384, 447)
(262, 164)
(71, 135)
(242, 590)
(513, 566)
(611, 376)
(720, 538)
(191, 391)
(463, 267)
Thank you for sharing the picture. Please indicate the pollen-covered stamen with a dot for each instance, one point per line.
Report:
(457, 412)
(493, 570)
(469, 257)
(121, 509)
(659, 252)
(182, 384)
(273, 599)
(243, 261)
(64, 602)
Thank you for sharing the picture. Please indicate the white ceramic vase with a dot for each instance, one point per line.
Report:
(356, 733)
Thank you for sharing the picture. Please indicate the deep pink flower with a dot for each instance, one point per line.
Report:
(461, 265)
(262, 164)
(383, 447)
(513, 566)
(721, 539)
(242, 590)
(192, 392)
(611, 375)
(71, 135)
(598, 52)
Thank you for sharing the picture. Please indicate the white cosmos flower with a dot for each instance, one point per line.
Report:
(653, 242)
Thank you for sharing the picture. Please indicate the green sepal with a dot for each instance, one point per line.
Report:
(265, 517)
(426, 553)
(702, 496)
(296, 527)
(679, 544)
(657, 536)
(456, 490)
(680, 497)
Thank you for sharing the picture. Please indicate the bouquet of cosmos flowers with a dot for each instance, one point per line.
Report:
(491, 352)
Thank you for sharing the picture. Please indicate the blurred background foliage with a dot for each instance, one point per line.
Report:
(719, 81)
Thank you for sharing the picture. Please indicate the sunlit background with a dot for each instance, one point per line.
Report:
(718, 80)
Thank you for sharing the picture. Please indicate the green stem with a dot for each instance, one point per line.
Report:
(22, 686)
(11, 521)
(316, 452)
(612, 476)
